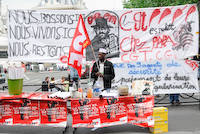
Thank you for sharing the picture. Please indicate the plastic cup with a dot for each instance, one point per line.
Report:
(15, 86)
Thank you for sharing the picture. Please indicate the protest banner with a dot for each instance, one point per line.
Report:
(141, 34)
(168, 76)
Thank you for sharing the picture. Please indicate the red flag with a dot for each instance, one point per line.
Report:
(80, 41)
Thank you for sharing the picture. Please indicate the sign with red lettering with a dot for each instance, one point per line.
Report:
(85, 112)
(53, 113)
(26, 112)
(141, 34)
(110, 111)
(113, 111)
(32, 109)
(139, 110)
(6, 113)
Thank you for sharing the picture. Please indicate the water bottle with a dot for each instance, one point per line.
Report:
(97, 89)
(80, 91)
(74, 89)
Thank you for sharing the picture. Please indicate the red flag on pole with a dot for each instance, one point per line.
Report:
(80, 41)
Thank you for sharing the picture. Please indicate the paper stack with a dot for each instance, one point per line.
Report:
(16, 73)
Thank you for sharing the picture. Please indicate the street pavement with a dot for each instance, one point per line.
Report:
(182, 119)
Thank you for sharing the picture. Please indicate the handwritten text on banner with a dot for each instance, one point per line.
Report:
(128, 35)
(168, 76)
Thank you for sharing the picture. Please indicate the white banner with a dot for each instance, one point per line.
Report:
(168, 76)
(141, 34)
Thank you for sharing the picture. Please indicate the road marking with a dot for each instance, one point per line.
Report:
(31, 81)
(58, 80)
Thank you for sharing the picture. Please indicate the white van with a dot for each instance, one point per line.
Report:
(41, 67)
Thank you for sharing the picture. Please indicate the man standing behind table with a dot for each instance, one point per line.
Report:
(73, 76)
(104, 73)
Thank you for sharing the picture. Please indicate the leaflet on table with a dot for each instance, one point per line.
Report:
(6, 96)
(53, 113)
(85, 112)
(95, 112)
(44, 96)
(32, 109)
(113, 111)
(6, 113)
(26, 112)
(139, 110)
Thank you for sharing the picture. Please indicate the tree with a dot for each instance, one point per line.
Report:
(155, 3)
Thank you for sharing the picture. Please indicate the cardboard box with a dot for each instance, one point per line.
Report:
(160, 114)
(159, 127)
(160, 109)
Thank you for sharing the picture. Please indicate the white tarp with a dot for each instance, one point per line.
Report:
(168, 76)
(141, 34)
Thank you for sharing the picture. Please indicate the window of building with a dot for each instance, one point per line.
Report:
(3, 54)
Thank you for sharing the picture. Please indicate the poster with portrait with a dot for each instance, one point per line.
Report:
(26, 112)
(6, 113)
(85, 112)
(53, 113)
(113, 111)
(140, 110)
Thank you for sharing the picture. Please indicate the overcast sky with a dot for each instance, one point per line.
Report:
(90, 4)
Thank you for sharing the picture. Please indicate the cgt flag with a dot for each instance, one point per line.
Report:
(80, 41)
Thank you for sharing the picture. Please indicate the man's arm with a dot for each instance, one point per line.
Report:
(94, 71)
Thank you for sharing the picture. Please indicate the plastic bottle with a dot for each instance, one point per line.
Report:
(80, 90)
(74, 89)
(96, 90)
(89, 90)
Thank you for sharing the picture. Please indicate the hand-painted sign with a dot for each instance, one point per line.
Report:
(168, 76)
(128, 35)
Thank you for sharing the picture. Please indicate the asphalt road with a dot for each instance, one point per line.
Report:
(36, 79)
(183, 119)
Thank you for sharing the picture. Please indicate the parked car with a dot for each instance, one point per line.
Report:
(2, 76)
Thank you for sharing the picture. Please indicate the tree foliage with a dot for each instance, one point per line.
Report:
(155, 3)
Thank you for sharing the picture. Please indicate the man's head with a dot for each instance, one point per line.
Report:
(102, 54)
(47, 79)
(101, 28)
(63, 78)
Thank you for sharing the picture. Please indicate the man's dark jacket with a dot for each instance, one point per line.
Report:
(108, 73)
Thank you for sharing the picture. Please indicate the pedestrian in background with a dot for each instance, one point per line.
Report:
(73, 75)
(53, 87)
(65, 83)
(174, 97)
(23, 65)
(45, 84)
